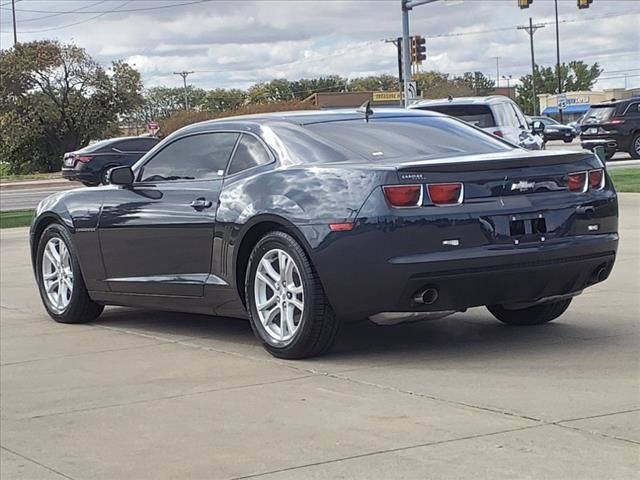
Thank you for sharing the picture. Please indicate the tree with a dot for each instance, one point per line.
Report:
(477, 82)
(55, 98)
(439, 85)
(385, 83)
(576, 75)
(221, 100)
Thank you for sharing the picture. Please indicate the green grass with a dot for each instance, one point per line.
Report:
(625, 179)
(16, 218)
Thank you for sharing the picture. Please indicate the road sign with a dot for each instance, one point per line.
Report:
(562, 101)
(386, 96)
(153, 127)
(413, 90)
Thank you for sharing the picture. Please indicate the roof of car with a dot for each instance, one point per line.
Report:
(306, 117)
(490, 99)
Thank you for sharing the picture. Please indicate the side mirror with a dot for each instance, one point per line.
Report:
(120, 176)
(537, 127)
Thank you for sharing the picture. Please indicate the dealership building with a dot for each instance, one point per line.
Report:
(577, 103)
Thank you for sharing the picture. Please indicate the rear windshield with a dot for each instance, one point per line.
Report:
(97, 146)
(598, 114)
(408, 137)
(477, 115)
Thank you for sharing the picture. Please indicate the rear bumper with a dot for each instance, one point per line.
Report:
(79, 176)
(611, 143)
(479, 276)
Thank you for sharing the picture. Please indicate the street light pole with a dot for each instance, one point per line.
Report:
(497, 71)
(531, 29)
(13, 11)
(558, 58)
(508, 79)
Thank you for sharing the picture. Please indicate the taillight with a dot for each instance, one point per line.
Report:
(445, 193)
(596, 179)
(577, 182)
(498, 133)
(403, 195)
(82, 158)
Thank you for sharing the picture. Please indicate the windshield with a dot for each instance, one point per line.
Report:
(408, 137)
(598, 114)
(477, 115)
(546, 120)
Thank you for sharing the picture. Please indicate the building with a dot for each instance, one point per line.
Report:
(579, 102)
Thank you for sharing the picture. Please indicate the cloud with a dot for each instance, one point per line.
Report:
(237, 43)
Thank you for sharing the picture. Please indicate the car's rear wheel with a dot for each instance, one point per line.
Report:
(288, 309)
(60, 281)
(535, 315)
(634, 149)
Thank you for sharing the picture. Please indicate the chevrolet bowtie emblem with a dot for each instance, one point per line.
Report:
(522, 185)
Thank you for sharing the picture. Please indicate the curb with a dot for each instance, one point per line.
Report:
(34, 184)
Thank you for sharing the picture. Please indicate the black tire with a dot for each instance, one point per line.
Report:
(568, 140)
(90, 184)
(536, 315)
(318, 325)
(634, 150)
(80, 308)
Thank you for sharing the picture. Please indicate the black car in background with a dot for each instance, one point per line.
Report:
(303, 220)
(90, 164)
(554, 130)
(614, 125)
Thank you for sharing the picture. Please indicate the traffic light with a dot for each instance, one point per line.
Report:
(584, 3)
(524, 3)
(421, 49)
(418, 50)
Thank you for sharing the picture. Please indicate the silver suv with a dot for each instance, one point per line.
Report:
(496, 114)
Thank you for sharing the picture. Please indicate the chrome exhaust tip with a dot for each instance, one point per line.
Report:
(426, 297)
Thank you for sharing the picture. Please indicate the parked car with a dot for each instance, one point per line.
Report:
(90, 164)
(615, 125)
(576, 125)
(496, 114)
(303, 220)
(554, 130)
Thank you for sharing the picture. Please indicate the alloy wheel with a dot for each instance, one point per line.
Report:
(279, 295)
(57, 274)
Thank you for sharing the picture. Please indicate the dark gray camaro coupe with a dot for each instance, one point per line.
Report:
(303, 220)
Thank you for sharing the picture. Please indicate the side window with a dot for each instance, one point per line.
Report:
(633, 110)
(195, 157)
(249, 153)
(502, 115)
(135, 145)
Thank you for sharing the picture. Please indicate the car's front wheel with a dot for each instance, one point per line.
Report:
(288, 309)
(535, 315)
(60, 281)
(634, 149)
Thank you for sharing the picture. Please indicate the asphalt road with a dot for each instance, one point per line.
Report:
(152, 395)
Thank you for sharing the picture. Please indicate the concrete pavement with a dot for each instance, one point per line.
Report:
(154, 395)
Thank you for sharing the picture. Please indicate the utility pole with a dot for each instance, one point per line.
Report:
(398, 44)
(558, 58)
(531, 29)
(497, 71)
(13, 11)
(184, 76)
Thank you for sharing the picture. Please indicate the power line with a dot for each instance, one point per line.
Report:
(140, 9)
(58, 14)
(86, 20)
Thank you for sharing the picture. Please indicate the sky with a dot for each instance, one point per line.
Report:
(237, 43)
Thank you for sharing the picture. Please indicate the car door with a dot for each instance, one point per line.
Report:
(156, 236)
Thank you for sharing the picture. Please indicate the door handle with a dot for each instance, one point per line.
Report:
(200, 203)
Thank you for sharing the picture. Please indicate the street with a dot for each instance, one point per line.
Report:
(152, 395)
